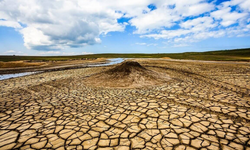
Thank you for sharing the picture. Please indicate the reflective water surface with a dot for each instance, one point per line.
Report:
(112, 61)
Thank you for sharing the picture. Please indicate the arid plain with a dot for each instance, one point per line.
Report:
(182, 105)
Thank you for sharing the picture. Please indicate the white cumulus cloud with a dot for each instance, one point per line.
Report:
(13, 52)
(196, 20)
(12, 24)
(147, 44)
(51, 25)
(55, 25)
(228, 18)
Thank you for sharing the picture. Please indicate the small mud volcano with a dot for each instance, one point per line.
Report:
(129, 74)
(126, 69)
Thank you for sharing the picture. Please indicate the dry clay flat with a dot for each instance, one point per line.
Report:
(184, 105)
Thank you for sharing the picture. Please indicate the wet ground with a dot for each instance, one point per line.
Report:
(203, 106)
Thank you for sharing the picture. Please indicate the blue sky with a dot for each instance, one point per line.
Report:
(106, 26)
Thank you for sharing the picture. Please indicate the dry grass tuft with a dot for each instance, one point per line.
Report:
(15, 64)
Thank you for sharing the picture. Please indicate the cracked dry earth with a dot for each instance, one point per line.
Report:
(203, 106)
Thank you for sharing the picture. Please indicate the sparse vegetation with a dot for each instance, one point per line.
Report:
(16, 64)
(225, 55)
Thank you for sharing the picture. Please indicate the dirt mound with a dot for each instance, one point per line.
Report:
(126, 68)
(129, 74)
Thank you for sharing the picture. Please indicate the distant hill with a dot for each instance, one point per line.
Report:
(225, 55)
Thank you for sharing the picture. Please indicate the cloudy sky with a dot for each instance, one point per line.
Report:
(71, 27)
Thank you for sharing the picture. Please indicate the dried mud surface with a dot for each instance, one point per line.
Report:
(202, 106)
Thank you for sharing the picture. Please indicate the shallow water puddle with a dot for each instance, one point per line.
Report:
(112, 61)
(15, 75)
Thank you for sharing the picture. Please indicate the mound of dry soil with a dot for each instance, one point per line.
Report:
(129, 74)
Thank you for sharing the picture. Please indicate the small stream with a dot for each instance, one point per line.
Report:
(112, 61)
